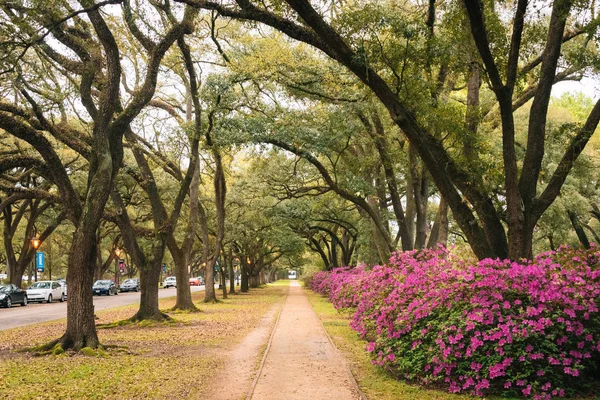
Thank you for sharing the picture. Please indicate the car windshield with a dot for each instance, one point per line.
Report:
(41, 285)
(132, 281)
(102, 283)
(4, 288)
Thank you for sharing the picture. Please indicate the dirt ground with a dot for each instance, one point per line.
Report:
(242, 362)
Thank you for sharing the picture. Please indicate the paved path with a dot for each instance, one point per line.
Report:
(301, 363)
(35, 313)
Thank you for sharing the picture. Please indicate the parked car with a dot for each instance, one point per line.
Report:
(63, 282)
(198, 281)
(11, 294)
(170, 281)
(130, 285)
(106, 287)
(46, 291)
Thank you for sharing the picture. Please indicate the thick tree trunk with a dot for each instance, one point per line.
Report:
(149, 276)
(439, 232)
(422, 200)
(381, 243)
(254, 281)
(244, 278)
(411, 208)
(334, 253)
(210, 295)
(81, 324)
(184, 294)
(231, 276)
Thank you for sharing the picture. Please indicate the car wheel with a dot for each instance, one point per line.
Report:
(62, 298)
(49, 299)
(24, 302)
(8, 302)
(116, 293)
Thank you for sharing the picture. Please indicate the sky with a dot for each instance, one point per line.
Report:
(588, 86)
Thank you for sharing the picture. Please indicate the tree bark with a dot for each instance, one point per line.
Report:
(148, 309)
(581, 235)
(377, 133)
(231, 274)
(244, 277)
(439, 231)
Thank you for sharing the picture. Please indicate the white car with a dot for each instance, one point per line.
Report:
(170, 281)
(46, 291)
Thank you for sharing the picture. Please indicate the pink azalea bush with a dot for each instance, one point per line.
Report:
(517, 328)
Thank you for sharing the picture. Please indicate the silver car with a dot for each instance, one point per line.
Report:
(170, 281)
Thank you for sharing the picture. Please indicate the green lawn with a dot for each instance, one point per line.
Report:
(157, 361)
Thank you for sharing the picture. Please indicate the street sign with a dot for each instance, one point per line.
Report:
(40, 261)
(164, 268)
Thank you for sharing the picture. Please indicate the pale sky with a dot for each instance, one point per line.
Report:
(588, 86)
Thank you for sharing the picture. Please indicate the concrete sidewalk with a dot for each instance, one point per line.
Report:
(301, 362)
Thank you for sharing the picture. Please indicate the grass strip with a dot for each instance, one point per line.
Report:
(154, 361)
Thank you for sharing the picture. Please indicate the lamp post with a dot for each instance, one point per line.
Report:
(35, 243)
(117, 266)
(238, 267)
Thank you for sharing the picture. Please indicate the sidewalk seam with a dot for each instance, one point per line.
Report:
(264, 359)
(348, 370)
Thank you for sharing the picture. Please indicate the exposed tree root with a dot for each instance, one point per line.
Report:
(157, 316)
(65, 343)
(185, 310)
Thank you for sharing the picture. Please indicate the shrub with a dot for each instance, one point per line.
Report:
(529, 328)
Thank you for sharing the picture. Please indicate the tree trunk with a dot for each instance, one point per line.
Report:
(210, 295)
(581, 235)
(420, 194)
(149, 276)
(411, 209)
(254, 281)
(422, 200)
(231, 276)
(377, 132)
(381, 244)
(244, 277)
(334, 253)
(223, 281)
(439, 232)
(81, 324)
(184, 294)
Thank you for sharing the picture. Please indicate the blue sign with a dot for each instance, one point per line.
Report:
(40, 261)
(164, 268)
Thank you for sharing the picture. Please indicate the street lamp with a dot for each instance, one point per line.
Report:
(117, 266)
(35, 243)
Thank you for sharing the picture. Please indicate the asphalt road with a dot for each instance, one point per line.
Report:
(35, 313)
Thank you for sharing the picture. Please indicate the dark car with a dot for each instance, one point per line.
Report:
(10, 294)
(130, 285)
(104, 287)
